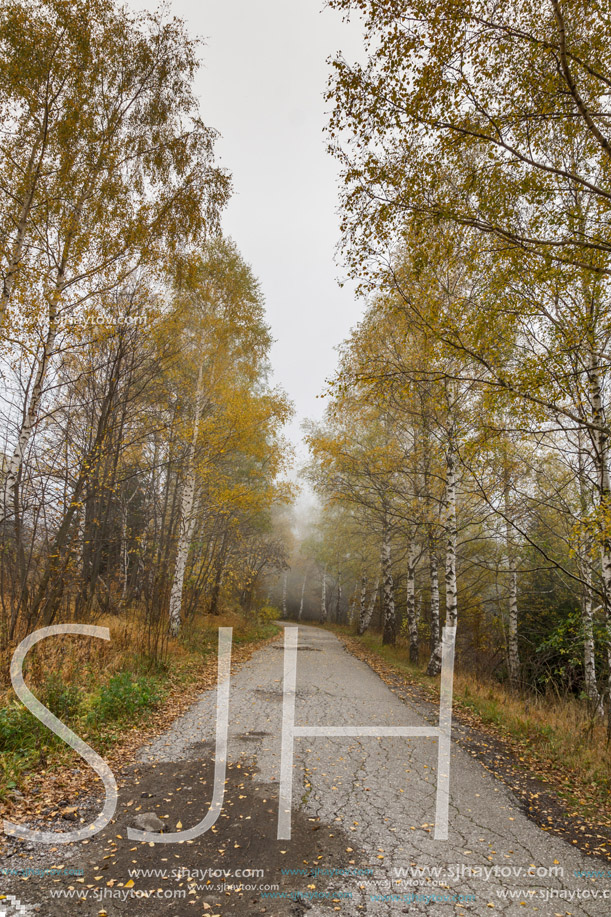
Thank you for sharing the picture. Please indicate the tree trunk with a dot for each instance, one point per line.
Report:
(452, 536)
(187, 516)
(512, 634)
(363, 623)
(353, 605)
(284, 584)
(587, 603)
(29, 417)
(300, 615)
(365, 619)
(412, 623)
(32, 407)
(32, 175)
(435, 635)
(434, 666)
(218, 577)
(587, 616)
(389, 633)
(185, 534)
(513, 652)
(323, 599)
(601, 444)
(51, 586)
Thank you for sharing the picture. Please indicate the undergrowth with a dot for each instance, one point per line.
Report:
(98, 691)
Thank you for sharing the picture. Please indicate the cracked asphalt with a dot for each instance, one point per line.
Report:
(373, 799)
(381, 792)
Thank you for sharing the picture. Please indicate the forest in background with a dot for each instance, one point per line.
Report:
(142, 437)
(462, 466)
(142, 462)
(463, 462)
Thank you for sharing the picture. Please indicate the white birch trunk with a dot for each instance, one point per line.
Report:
(435, 635)
(589, 657)
(412, 623)
(187, 516)
(434, 666)
(389, 633)
(284, 583)
(587, 601)
(185, 534)
(452, 536)
(30, 416)
(513, 652)
(366, 620)
(300, 615)
(600, 439)
(31, 408)
(323, 598)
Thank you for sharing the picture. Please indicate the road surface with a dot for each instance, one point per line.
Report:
(363, 814)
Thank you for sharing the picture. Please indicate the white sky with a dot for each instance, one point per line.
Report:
(261, 85)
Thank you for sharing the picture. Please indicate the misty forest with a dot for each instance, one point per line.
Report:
(459, 471)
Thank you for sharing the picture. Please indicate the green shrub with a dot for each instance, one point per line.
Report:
(124, 696)
(20, 731)
(64, 700)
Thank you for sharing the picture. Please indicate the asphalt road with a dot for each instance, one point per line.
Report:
(363, 815)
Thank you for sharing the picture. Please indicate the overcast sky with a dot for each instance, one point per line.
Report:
(261, 85)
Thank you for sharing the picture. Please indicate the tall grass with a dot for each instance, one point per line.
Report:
(96, 686)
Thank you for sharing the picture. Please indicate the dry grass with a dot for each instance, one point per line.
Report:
(85, 660)
(139, 694)
(561, 730)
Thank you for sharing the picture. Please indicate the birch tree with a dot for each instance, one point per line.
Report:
(300, 613)
(228, 344)
(187, 515)
(324, 609)
(112, 167)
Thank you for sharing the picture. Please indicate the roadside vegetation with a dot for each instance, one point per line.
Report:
(105, 692)
(462, 464)
(142, 463)
(554, 739)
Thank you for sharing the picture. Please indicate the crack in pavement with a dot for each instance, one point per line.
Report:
(375, 798)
